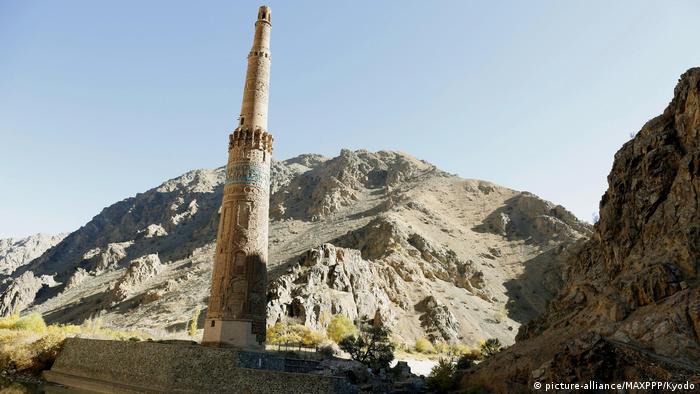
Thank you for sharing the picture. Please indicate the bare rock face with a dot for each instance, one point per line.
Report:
(437, 320)
(327, 281)
(339, 182)
(100, 259)
(78, 277)
(155, 230)
(631, 291)
(138, 272)
(21, 291)
(528, 217)
(15, 253)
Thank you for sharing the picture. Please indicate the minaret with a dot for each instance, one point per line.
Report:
(237, 303)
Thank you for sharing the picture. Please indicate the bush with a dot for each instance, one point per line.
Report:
(9, 322)
(467, 360)
(459, 349)
(441, 378)
(424, 346)
(32, 322)
(371, 346)
(442, 347)
(340, 327)
(327, 350)
(23, 353)
(293, 334)
(64, 329)
(192, 326)
(490, 347)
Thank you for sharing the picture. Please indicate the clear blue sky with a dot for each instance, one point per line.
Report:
(102, 100)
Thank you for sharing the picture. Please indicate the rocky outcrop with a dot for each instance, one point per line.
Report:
(327, 281)
(21, 291)
(631, 291)
(155, 230)
(100, 259)
(341, 181)
(137, 273)
(437, 320)
(78, 277)
(15, 253)
(528, 217)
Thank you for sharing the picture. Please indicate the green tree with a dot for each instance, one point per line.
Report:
(490, 347)
(340, 327)
(441, 378)
(371, 346)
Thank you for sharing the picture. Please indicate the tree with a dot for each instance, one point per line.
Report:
(441, 378)
(340, 327)
(371, 346)
(490, 347)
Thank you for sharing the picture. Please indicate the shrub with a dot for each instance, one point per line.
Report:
(490, 347)
(24, 355)
(9, 322)
(92, 326)
(327, 349)
(192, 326)
(467, 360)
(459, 349)
(295, 334)
(64, 329)
(340, 327)
(424, 346)
(441, 378)
(32, 322)
(442, 347)
(371, 346)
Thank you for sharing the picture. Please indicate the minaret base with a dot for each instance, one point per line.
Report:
(230, 333)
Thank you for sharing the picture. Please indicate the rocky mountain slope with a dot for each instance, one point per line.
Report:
(630, 309)
(360, 234)
(15, 253)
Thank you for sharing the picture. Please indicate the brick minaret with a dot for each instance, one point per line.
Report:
(237, 303)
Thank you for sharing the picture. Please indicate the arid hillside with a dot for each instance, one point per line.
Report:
(362, 233)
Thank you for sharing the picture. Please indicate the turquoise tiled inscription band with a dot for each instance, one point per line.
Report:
(248, 174)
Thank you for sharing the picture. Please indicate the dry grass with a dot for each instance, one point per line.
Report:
(26, 351)
(28, 345)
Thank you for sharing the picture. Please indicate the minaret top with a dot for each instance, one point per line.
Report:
(265, 14)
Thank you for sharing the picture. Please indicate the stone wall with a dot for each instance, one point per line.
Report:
(123, 366)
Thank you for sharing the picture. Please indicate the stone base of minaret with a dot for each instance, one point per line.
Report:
(231, 333)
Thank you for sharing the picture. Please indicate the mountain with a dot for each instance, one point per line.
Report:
(630, 306)
(16, 252)
(380, 234)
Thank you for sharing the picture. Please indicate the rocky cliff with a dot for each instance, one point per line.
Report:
(630, 309)
(16, 252)
(436, 255)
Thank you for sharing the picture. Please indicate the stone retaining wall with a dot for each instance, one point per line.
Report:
(126, 367)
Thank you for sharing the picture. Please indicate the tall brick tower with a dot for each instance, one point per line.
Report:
(237, 303)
